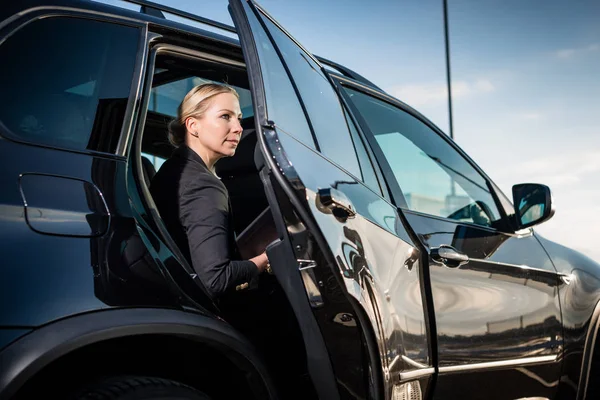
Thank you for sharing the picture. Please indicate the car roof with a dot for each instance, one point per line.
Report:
(153, 13)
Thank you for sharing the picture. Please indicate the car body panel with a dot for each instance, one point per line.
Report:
(500, 310)
(373, 282)
(579, 302)
(370, 250)
(30, 354)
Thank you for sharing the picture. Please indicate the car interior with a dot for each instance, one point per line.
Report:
(253, 222)
(172, 80)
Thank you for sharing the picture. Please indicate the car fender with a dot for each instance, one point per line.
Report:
(28, 355)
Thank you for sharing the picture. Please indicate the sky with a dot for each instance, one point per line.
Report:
(525, 83)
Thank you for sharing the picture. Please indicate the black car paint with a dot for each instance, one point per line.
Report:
(97, 262)
(73, 333)
(492, 309)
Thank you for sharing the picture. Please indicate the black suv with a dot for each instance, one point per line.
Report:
(400, 269)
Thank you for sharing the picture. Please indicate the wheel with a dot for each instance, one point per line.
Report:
(140, 388)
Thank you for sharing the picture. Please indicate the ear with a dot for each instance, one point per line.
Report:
(192, 125)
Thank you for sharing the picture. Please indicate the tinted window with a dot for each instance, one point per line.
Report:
(283, 106)
(65, 82)
(165, 98)
(366, 168)
(321, 102)
(434, 178)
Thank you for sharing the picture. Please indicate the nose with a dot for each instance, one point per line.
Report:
(237, 128)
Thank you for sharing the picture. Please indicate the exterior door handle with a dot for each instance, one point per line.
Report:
(333, 201)
(448, 256)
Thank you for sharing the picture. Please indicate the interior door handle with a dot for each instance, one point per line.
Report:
(448, 256)
(333, 201)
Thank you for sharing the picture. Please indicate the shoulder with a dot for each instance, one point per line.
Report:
(203, 189)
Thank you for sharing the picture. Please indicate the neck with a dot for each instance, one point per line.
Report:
(209, 157)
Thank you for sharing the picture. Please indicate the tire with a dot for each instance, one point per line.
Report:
(140, 388)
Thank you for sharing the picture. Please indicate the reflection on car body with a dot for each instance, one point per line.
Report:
(399, 267)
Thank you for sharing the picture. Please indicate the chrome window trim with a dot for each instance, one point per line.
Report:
(498, 364)
(522, 267)
(588, 352)
(179, 50)
(519, 234)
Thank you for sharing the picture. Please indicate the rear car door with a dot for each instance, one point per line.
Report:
(495, 291)
(349, 267)
(65, 218)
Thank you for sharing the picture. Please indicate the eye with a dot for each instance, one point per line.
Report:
(226, 116)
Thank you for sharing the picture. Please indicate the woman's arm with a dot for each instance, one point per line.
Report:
(203, 213)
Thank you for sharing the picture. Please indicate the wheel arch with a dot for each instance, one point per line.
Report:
(30, 356)
(590, 347)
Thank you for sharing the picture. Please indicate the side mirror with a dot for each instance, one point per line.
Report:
(533, 204)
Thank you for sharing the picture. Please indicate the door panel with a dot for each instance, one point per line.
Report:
(499, 311)
(376, 265)
(356, 260)
(495, 295)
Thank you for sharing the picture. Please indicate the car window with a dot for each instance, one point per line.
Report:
(434, 178)
(321, 101)
(157, 161)
(165, 98)
(70, 88)
(283, 106)
(366, 168)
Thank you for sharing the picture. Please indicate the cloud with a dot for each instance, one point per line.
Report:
(427, 94)
(530, 116)
(573, 52)
(557, 171)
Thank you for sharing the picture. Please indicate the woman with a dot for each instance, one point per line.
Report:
(192, 201)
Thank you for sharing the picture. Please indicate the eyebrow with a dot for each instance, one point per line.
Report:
(231, 112)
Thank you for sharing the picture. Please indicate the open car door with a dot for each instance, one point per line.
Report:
(348, 266)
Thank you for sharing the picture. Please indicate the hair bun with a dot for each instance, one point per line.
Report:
(177, 133)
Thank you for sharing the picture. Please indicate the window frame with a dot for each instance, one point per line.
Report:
(502, 225)
(33, 16)
(384, 189)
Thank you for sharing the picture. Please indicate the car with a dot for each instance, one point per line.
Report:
(400, 270)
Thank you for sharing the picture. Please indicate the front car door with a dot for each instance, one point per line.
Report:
(495, 292)
(350, 269)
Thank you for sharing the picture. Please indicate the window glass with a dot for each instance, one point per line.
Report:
(70, 88)
(156, 161)
(283, 106)
(321, 102)
(368, 173)
(165, 98)
(434, 178)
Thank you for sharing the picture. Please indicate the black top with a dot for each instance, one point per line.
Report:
(194, 205)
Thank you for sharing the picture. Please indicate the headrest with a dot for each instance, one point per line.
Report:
(259, 160)
(149, 170)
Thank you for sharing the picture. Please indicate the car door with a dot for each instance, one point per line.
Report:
(495, 291)
(349, 267)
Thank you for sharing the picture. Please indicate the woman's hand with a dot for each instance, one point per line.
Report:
(262, 262)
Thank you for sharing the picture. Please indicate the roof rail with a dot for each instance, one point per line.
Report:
(156, 9)
(151, 8)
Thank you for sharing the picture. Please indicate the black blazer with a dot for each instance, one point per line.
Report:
(194, 205)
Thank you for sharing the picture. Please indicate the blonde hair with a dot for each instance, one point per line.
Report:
(194, 104)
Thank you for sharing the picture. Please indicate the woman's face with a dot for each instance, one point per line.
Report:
(219, 130)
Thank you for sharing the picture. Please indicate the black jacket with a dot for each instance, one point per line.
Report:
(194, 205)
